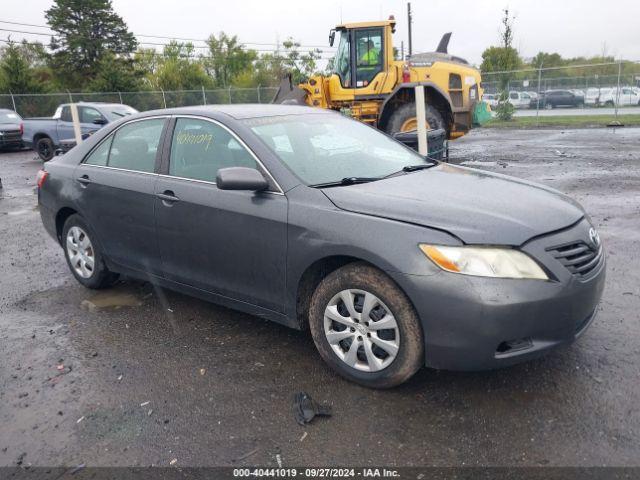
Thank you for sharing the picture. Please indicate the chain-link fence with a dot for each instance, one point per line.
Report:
(37, 105)
(607, 84)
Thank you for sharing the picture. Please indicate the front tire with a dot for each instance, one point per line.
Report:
(365, 327)
(83, 255)
(404, 119)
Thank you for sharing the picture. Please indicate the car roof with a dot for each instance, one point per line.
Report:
(243, 111)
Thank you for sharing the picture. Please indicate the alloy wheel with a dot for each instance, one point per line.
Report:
(80, 252)
(361, 330)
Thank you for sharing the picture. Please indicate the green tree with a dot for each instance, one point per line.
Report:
(17, 74)
(86, 32)
(178, 68)
(116, 74)
(503, 57)
(227, 59)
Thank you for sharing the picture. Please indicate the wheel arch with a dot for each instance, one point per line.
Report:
(315, 273)
(61, 218)
(405, 93)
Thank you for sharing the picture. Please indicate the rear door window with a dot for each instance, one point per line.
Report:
(136, 144)
(200, 148)
(100, 155)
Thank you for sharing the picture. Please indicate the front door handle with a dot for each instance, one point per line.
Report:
(167, 197)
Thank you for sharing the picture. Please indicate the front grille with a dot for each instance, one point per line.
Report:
(578, 257)
(11, 135)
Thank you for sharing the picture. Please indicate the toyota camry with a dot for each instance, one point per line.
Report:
(316, 221)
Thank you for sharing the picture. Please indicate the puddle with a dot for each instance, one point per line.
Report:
(111, 299)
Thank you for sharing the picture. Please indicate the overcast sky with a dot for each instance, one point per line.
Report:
(569, 27)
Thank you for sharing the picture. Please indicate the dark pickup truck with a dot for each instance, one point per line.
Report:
(45, 135)
(10, 129)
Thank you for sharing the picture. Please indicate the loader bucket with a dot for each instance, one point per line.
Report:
(288, 93)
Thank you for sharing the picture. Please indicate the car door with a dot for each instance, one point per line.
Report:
(91, 120)
(231, 243)
(116, 193)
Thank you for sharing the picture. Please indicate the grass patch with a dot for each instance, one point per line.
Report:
(568, 121)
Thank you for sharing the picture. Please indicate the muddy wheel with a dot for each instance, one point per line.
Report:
(404, 119)
(44, 148)
(365, 327)
(83, 255)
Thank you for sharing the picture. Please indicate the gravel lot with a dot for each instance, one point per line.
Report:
(151, 376)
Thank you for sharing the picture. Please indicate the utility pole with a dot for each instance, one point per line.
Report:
(409, 21)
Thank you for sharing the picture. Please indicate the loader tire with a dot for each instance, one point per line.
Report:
(401, 119)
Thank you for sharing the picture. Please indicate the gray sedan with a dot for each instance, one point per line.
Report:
(318, 222)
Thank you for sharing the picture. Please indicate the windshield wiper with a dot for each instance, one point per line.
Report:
(346, 181)
(412, 168)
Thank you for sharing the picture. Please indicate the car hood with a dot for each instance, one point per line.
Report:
(9, 126)
(475, 206)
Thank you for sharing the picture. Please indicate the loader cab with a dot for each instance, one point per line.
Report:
(362, 54)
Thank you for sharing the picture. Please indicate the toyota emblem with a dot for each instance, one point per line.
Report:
(594, 237)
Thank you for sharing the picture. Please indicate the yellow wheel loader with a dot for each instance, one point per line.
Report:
(367, 82)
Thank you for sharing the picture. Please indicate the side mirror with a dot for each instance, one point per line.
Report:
(332, 37)
(100, 121)
(241, 178)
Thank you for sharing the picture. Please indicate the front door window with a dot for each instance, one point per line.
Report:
(369, 55)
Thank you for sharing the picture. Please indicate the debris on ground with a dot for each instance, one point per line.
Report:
(203, 371)
(77, 468)
(144, 404)
(173, 462)
(247, 455)
(80, 419)
(279, 460)
(304, 435)
(306, 408)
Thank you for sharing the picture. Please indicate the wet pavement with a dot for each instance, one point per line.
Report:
(139, 376)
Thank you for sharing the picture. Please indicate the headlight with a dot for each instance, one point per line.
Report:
(484, 261)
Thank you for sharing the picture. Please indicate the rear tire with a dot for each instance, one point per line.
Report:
(408, 111)
(382, 357)
(83, 255)
(44, 148)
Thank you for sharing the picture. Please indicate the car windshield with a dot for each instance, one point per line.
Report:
(118, 111)
(326, 148)
(9, 117)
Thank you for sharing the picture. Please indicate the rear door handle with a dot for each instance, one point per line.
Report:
(167, 197)
(84, 180)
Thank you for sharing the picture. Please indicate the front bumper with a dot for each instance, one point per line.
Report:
(7, 142)
(474, 323)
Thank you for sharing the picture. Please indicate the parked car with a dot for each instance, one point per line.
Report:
(44, 134)
(491, 99)
(559, 98)
(606, 97)
(592, 97)
(10, 129)
(626, 96)
(519, 99)
(314, 220)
